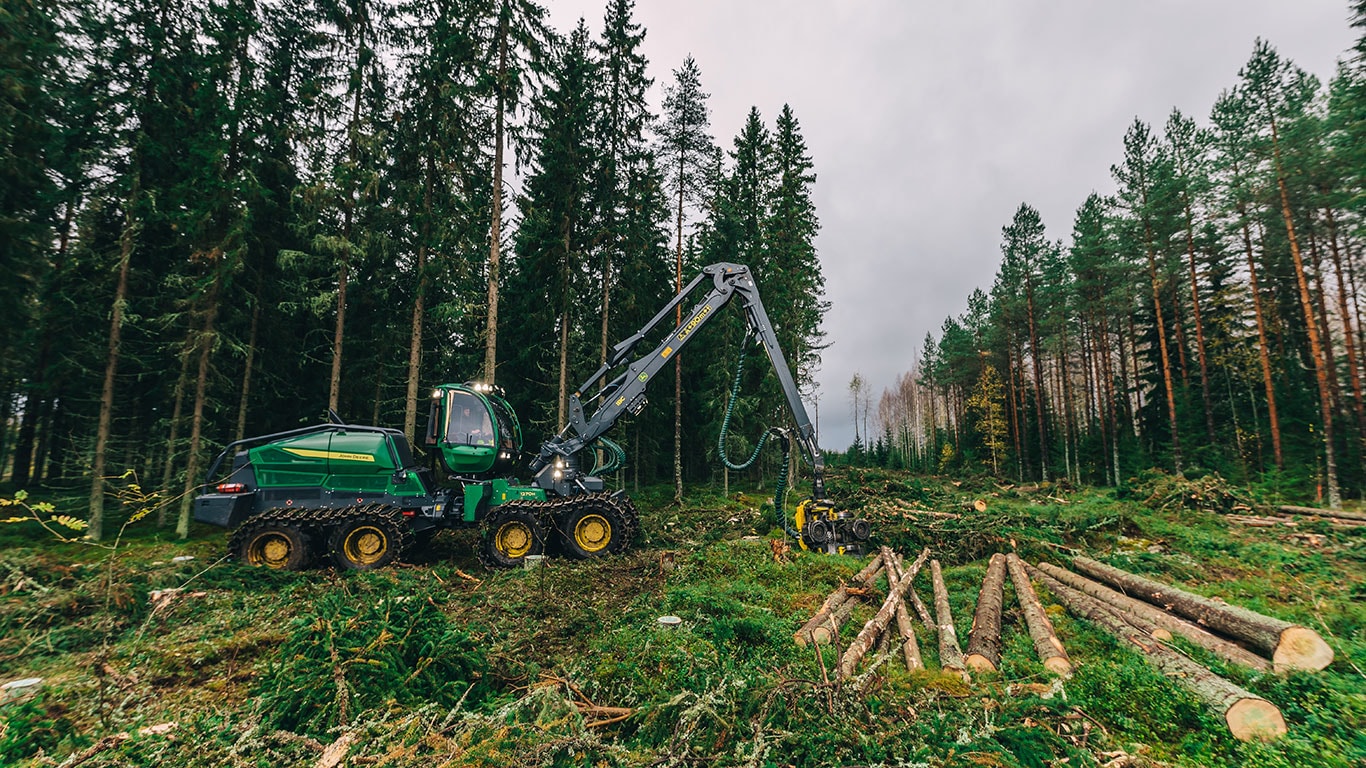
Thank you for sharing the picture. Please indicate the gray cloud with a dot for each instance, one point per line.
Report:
(930, 123)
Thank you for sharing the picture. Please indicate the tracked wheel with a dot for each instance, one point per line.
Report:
(593, 527)
(372, 537)
(509, 535)
(270, 544)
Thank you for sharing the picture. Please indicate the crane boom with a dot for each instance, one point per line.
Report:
(626, 392)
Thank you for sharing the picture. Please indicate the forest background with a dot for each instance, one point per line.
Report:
(224, 218)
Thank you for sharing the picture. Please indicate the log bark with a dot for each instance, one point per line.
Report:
(1247, 716)
(910, 648)
(984, 641)
(1289, 646)
(836, 599)
(878, 624)
(1046, 643)
(1164, 625)
(921, 612)
(828, 630)
(1338, 513)
(950, 654)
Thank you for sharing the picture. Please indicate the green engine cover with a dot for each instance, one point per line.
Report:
(336, 460)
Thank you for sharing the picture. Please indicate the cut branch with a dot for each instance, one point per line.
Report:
(836, 600)
(1290, 646)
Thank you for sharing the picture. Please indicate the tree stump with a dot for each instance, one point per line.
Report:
(1290, 646)
(984, 640)
(1046, 643)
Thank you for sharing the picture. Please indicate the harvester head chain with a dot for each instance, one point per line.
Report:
(318, 522)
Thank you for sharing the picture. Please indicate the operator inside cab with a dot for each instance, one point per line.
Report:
(469, 423)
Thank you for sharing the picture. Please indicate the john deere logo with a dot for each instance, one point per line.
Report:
(309, 453)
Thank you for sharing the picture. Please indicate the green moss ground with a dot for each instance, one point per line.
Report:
(427, 668)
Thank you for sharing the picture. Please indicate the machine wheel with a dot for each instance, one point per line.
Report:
(372, 539)
(273, 545)
(594, 529)
(509, 536)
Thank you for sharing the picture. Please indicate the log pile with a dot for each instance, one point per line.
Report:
(1288, 646)
(1143, 614)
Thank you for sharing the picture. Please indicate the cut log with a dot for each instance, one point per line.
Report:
(1164, 624)
(1290, 646)
(1046, 643)
(878, 624)
(910, 648)
(1249, 717)
(1253, 521)
(977, 505)
(922, 612)
(1342, 514)
(836, 599)
(984, 640)
(950, 654)
(826, 632)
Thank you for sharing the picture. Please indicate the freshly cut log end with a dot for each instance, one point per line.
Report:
(1255, 720)
(1058, 666)
(1161, 634)
(1301, 648)
(979, 663)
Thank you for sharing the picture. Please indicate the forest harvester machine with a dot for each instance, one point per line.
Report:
(358, 494)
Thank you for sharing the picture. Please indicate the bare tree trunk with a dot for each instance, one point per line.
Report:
(878, 624)
(910, 649)
(1039, 398)
(496, 225)
(1315, 347)
(678, 359)
(1199, 326)
(127, 240)
(1263, 348)
(419, 306)
(250, 367)
(1353, 367)
(206, 341)
(1162, 339)
(182, 381)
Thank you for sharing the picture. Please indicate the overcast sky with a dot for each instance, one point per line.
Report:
(929, 124)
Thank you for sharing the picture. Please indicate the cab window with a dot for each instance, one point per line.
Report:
(468, 422)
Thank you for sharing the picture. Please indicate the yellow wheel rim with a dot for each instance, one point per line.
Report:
(514, 539)
(365, 545)
(592, 533)
(270, 549)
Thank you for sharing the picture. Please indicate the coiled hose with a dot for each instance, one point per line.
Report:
(780, 489)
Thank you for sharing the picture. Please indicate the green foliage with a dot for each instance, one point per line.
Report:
(351, 653)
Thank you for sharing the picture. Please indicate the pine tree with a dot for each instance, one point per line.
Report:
(684, 148)
(987, 402)
(516, 40)
(1279, 91)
